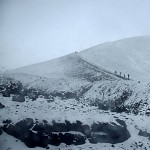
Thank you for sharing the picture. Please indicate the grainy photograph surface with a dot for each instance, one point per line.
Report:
(74, 74)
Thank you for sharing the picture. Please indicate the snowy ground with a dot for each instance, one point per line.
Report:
(59, 110)
(71, 110)
(128, 56)
(90, 76)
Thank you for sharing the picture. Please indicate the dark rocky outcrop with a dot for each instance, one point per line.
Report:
(109, 133)
(0, 131)
(15, 88)
(144, 133)
(41, 134)
(20, 130)
(9, 87)
(117, 105)
(7, 122)
(6, 93)
(2, 106)
(18, 98)
(32, 94)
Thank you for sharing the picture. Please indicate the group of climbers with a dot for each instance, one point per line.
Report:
(124, 76)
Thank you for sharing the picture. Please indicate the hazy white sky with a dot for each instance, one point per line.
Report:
(37, 30)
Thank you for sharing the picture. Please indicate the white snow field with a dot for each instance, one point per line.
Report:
(128, 56)
(70, 109)
(83, 86)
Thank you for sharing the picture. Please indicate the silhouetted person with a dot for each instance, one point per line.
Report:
(120, 74)
(128, 76)
(115, 72)
(124, 76)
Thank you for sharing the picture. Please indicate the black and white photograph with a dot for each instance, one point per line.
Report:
(75, 74)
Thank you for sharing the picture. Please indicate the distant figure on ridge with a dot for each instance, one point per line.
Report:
(120, 74)
(115, 72)
(128, 77)
(124, 76)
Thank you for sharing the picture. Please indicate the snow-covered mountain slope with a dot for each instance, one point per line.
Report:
(71, 102)
(69, 66)
(89, 75)
(62, 74)
(128, 56)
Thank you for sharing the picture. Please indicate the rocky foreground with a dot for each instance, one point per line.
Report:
(47, 121)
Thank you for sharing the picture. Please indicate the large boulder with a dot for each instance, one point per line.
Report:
(2, 106)
(109, 132)
(41, 134)
(144, 133)
(19, 130)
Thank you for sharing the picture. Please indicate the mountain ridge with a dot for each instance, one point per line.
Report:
(125, 56)
(77, 99)
(83, 75)
(128, 56)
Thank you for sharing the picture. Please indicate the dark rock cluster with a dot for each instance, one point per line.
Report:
(19, 92)
(41, 134)
(2, 106)
(117, 105)
(144, 133)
